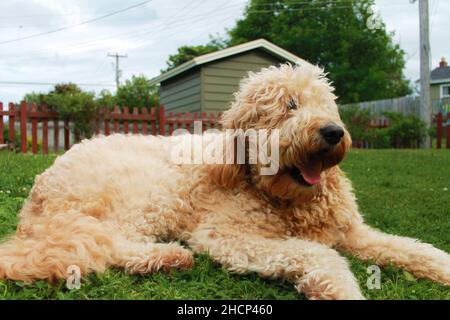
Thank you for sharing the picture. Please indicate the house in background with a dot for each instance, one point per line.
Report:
(207, 83)
(440, 85)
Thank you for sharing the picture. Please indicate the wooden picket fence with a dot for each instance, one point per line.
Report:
(441, 120)
(440, 130)
(137, 121)
(145, 121)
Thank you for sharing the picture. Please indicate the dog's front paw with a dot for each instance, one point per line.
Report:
(164, 257)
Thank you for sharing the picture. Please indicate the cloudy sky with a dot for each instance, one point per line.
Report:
(147, 33)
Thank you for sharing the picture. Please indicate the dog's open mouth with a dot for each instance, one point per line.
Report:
(305, 177)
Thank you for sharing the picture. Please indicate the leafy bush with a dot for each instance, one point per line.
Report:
(380, 138)
(79, 107)
(137, 92)
(16, 145)
(357, 121)
(70, 102)
(403, 131)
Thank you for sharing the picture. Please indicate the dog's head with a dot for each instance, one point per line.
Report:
(299, 102)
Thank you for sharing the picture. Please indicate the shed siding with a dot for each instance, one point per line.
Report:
(435, 91)
(221, 79)
(182, 94)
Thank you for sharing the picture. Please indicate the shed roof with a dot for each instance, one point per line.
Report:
(242, 48)
(441, 74)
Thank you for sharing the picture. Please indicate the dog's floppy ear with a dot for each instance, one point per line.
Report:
(230, 172)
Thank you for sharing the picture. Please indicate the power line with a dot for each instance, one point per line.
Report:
(76, 25)
(52, 84)
(137, 35)
(296, 9)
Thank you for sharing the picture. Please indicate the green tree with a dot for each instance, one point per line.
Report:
(70, 102)
(106, 99)
(186, 53)
(137, 92)
(362, 61)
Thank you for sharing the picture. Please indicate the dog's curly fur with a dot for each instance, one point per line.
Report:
(114, 201)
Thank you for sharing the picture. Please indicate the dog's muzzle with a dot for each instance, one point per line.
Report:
(332, 133)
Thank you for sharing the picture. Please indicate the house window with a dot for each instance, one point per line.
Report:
(445, 91)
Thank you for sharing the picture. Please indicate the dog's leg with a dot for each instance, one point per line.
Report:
(421, 259)
(141, 258)
(316, 270)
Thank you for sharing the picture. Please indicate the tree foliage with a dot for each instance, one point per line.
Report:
(362, 61)
(70, 102)
(137, 92)
(186, 53)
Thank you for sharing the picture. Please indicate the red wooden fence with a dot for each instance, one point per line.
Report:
(440, 130)
(142, 121)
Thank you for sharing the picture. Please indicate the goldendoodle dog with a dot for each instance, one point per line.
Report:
(122, 201)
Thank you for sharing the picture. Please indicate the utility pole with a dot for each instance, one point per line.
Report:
(425, 98)
(118, 71)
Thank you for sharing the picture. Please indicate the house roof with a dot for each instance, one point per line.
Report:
(440, 75)
(248, 46)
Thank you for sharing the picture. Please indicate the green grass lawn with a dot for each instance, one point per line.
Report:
(406, 192)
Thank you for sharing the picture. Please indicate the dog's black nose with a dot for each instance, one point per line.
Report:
(332, 133)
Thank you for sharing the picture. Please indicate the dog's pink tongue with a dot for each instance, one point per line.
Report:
(311, 176)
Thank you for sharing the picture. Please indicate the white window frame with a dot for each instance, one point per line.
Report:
(442, 91)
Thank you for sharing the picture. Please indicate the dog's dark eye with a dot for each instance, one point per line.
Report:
(292, 104)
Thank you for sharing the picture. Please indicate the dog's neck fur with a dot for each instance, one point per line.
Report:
(274, 201)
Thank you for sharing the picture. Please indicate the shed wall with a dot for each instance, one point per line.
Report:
(182, 94)
(221, 79)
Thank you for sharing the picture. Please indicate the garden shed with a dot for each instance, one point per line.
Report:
(207, 83)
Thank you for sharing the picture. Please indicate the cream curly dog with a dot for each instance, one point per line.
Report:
(120, 201)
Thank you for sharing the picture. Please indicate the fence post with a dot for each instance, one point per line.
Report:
(56, 134)
(116, 119)
(439, 130)
(447, 127)
(66, 134)
(188, 121)
(2, 140)
(135, 121)
(162, 121)
(126, 128)
(153, 121)
(212, 121)
(12, 117)
(34, 129)
(45, 131)
(204, 120)
(23, 126)
(106, 121)
(171, 121)
(144, 122)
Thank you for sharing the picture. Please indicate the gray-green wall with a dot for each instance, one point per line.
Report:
(221, 79)
(435, 91)
(210, 87)
(183, 93)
